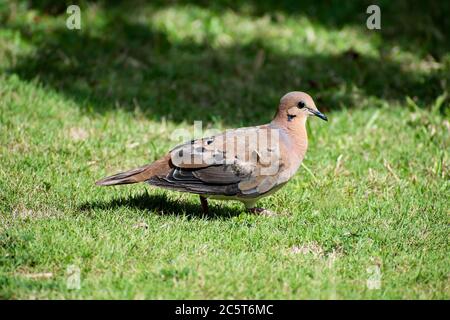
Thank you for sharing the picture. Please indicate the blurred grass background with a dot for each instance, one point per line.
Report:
(79, 104)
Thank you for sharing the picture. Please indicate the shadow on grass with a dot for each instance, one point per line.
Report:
(162, 205)
(136, 68)
(416, 26)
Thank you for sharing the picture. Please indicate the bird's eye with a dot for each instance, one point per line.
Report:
(301, 104)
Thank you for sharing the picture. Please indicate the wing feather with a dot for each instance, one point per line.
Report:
(226, 164)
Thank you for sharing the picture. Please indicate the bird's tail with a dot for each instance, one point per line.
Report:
(159, 167)
(131, 176)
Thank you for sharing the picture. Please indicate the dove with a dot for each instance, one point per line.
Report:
(244, 164)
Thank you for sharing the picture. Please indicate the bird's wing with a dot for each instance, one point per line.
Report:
(244, 162)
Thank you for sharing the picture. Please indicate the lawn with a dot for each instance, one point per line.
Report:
(366, 216)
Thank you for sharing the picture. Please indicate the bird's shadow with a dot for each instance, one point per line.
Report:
(161, 204)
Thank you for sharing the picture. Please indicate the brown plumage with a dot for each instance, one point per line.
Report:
(242, 164)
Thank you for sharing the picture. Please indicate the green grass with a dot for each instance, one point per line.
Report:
(78, 105)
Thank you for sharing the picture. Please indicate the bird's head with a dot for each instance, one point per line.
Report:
(298, 105)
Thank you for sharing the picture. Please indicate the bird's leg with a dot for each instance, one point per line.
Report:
(204, 203)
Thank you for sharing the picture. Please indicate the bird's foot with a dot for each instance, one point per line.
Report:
(262, 211)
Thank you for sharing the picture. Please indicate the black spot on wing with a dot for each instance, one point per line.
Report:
(200, 149)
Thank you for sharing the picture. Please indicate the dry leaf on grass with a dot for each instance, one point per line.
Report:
(142, 225)
(41, 275)
(78, 134)
(310, 248)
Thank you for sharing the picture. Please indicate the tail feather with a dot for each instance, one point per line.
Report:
(122, 178)
(157, 168)
(126, 177)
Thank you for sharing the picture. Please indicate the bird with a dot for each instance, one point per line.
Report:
(244, 164)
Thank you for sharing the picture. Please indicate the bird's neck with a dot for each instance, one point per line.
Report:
(295, 129)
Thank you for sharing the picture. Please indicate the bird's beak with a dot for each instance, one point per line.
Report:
(319, 114)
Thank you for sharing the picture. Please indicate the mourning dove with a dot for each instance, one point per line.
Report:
(243, 164)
